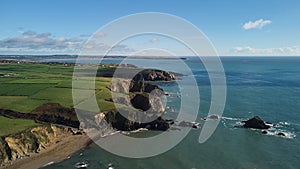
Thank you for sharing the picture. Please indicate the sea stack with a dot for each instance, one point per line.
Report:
(256, 123)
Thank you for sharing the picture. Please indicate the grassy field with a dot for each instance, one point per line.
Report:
(11, 126)
(27, 86)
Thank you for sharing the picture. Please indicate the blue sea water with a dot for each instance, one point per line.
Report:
(256, 86)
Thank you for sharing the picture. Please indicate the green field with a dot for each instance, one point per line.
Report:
(11, 126)
(28, 86)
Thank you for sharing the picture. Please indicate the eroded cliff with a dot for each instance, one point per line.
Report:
(30, 141)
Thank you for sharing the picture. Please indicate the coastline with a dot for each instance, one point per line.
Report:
(63, 149)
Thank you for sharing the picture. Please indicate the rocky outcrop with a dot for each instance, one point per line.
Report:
(30, 141)
(119, 122)
(256, 123)
(5, 152)
(120, 85)
(126, 71)
(212, 117)
(141, 101)
(189, 124)
(148, 102)
(158, 75)
(135, 85)
(145, 98)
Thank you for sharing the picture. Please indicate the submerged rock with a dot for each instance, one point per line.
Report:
(255, 123)
(188, 124)
(212, 117)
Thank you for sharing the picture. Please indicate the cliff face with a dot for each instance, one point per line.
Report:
(145, 98)
(30, 141)
(137, 83)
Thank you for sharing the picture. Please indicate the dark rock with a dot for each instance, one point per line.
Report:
(255, 123)
(194, 126)
(148, 102)
(150, 88)
(141, 101)
(170, 121)
(280, 134)
(264, 132)
(213, 117)
(158, 75)
(119, 122)
(187, 124)
(137, 83)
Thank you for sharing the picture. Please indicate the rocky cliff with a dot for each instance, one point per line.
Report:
(146, 99)
(32, 140)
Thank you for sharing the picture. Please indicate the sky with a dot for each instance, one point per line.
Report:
(234, 27)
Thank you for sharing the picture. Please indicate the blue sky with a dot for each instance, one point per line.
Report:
(235, 27)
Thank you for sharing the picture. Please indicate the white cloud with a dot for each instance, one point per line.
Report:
(281, 51)
(258, 24)
(31, 40)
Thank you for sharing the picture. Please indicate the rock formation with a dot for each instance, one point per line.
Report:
(145, 98)
(256, 123)
(30, 141)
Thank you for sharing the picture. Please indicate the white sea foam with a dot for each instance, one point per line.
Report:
(110, 133)
(50, 163)
(139, 130)
(231, 118)
(287, 134)
(110, 166)
(284, 123)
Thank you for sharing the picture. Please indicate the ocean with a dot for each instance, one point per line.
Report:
(268, 87)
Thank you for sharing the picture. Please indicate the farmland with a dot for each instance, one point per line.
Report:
(26, 86)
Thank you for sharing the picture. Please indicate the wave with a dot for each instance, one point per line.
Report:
(110, 134)
(50, 163)
(280, 133)
(232, 118)
(134, 131)
(82, 164)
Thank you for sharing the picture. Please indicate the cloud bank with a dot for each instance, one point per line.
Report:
(258, 24)
(282, 51)
(31, 40)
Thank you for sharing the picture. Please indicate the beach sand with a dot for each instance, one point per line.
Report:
(54, 153)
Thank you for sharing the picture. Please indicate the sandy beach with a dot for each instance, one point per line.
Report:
(53, 154)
